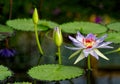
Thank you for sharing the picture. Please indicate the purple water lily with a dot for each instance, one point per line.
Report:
(88, 46)
(7, 52)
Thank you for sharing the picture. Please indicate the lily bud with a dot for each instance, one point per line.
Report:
(57, 36)
(35, 16)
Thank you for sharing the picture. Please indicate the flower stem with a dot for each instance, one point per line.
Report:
(89, 64)
(59, 56)
(37, 39)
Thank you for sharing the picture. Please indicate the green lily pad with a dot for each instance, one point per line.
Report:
(54, 72)
(49, 24)
(84, 27)
(113, 37)
(114, 26)
(27, 24)
(5, 31)
(4, 72)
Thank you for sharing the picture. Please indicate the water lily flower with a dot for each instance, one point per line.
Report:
(7, 52)
(88, 46)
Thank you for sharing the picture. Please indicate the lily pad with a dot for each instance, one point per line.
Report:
(4, 72)
(27, 24)
(84, 27)
(114, 26)
(113, 37)
(54, 72)
(5, 31)
(49, 24)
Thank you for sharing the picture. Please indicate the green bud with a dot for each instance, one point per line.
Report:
(35, 16)
(57, 36)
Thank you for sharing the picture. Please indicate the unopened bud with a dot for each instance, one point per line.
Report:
(35, 16)
(57, 36)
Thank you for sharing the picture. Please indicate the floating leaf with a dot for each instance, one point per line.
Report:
(113, 37)
(49, 24)
(27, 25)
(54, 72)
(5, 31)
(4, 72)
(84, 27)
(114, 26)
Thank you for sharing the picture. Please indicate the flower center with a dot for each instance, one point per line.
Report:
(88, 43)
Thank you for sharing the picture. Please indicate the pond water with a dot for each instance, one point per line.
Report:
(104, 72)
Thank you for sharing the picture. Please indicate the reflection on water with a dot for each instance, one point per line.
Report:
(91, 77)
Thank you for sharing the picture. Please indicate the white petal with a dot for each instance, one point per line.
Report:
(100, 54)
(94, 54)
(76, 42)
(79, 37)
(101, 39)
(73, 48)
(86, 52)
(80, 57)
(79, 44)
(73, 39)
(104, 45)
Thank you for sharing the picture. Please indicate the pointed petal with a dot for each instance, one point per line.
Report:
(73, 39)
(79, 44)
(86, 52)
(79, 37)
(73, 48)
(100, 54)
(91, 36)
(94, 54)
(101, 39)
(80, 57)
(76, 42)
(74, 54)
(104, 45)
